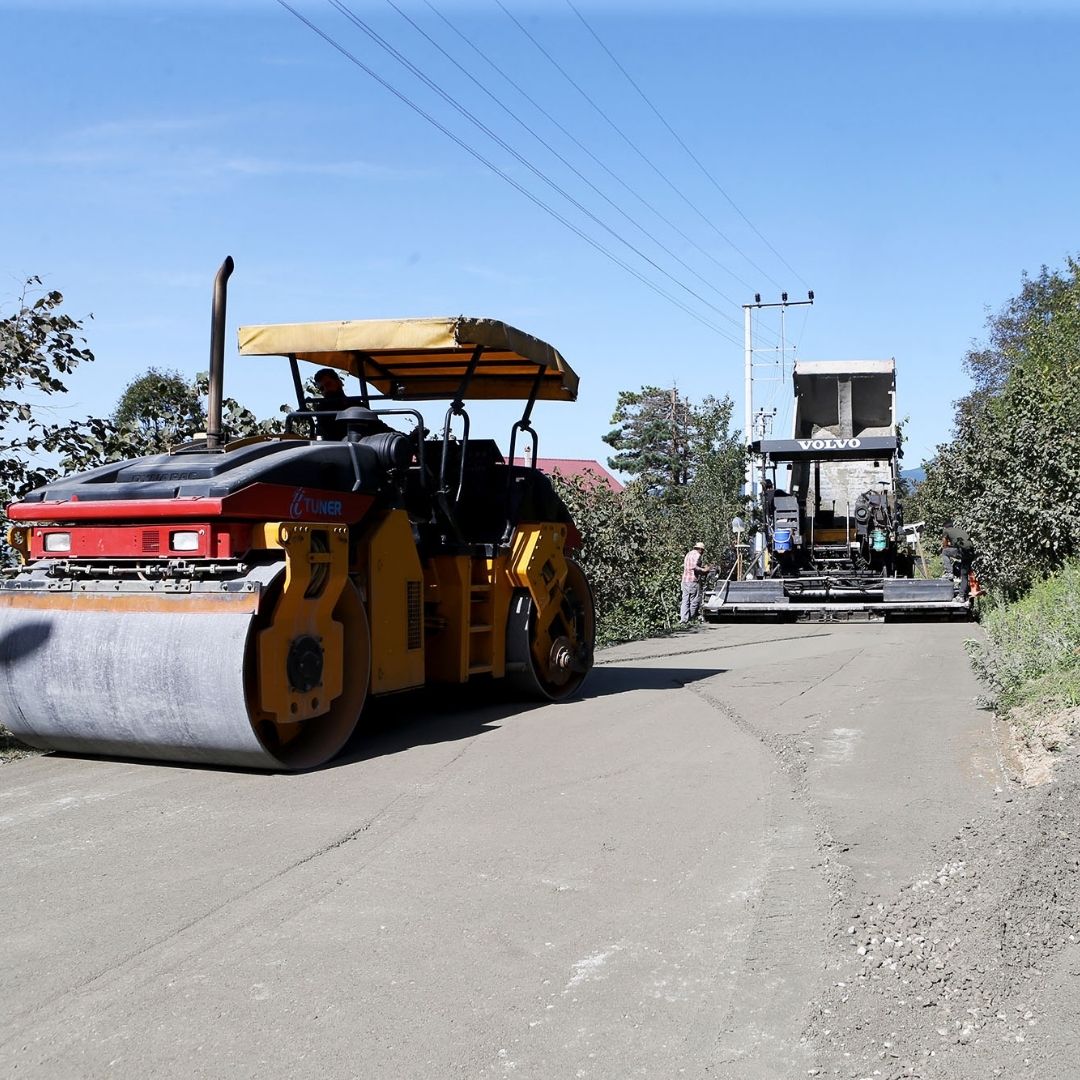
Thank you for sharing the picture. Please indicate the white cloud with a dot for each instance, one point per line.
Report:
(175, 146)
(146, 127)
(254, 166)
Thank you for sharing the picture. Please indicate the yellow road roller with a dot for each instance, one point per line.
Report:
(237, 602)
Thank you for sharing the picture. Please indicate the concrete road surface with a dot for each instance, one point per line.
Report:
(639, 883)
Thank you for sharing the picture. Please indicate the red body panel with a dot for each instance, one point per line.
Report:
(256, 502)
(220, 540)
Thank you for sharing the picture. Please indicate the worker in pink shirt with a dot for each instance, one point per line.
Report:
(693, 583)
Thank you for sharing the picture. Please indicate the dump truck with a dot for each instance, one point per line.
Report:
(239, 601)
(830, 541)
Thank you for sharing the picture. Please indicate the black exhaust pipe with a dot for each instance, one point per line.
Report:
(215, 437)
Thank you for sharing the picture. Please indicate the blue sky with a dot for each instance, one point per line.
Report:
(906, 162)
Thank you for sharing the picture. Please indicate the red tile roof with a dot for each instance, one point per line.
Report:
(573, 467)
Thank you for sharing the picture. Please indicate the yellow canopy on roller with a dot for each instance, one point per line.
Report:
(424, 358)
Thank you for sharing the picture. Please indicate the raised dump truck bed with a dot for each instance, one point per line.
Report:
(830, 539)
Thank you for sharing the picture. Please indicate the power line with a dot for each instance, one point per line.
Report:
(345, 10)
(499, 172)
(633, 146)
(675, 135)
(570, 165)
(493, 65)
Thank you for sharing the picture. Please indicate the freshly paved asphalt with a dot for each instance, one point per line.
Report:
(638, 883)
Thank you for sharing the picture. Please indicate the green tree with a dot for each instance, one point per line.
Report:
(238, 420)
(159, 409)
(711, 498)
(39, 345)
(628, 560)
(1011, 472)
(686, 489)
(652, 438)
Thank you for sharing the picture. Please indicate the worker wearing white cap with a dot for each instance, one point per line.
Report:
(693, 581)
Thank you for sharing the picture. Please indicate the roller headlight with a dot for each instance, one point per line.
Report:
(184, 541)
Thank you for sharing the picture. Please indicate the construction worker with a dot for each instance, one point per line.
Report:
(768, 501)
(693, 583)
(333, 400)
(957, 555)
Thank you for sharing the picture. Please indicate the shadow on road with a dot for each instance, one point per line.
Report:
(446, 714)
(422, 717)
(610, 679)
(392, 725)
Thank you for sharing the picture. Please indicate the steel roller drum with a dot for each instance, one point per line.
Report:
(95, 675)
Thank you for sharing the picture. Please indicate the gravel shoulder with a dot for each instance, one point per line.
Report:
(11, 749)
(952, 943)
(971, 969)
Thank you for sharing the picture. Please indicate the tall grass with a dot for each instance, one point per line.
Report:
(1032, 652)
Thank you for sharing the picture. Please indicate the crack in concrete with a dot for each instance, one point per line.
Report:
(178, 931)
(702, 649)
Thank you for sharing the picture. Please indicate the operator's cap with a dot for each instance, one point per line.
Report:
(700, 545)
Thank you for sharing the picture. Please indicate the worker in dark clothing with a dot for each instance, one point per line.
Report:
(957, 555)
(333, 400)
(768, 500)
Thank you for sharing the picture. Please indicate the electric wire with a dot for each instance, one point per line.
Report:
(570, 165)
(633, 146)
(355, 19)
(494, 66)
(675, 135)
(536, 200)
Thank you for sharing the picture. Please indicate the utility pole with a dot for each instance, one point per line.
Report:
(676, 448)
(748, 369)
